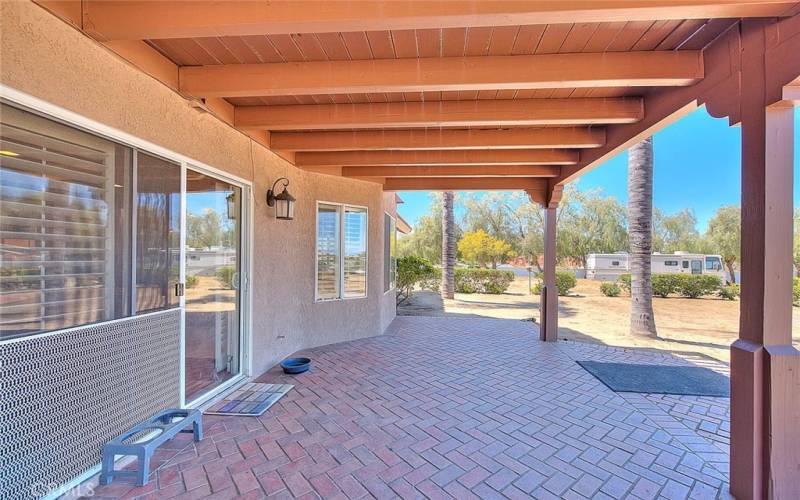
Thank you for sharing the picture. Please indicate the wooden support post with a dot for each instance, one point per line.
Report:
(548, 305)
(549, 301)
(765, 367)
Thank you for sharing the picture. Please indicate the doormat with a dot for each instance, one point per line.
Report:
(659, 379)
(252, 399)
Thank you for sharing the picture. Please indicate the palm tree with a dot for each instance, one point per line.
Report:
(640, 234)
(448, 246)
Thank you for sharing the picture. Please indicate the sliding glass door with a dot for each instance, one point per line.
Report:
(213, 296)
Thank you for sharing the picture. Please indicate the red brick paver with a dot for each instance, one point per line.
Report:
(454, 408)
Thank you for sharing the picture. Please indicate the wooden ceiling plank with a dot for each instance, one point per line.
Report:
(578, 37)
(437, 157)
(655, 68)
(512, 112)
(464, 184)
(553, 37)
(379, 43)
(151, 20)
(513, 138)
(452, 171)
(334, 46)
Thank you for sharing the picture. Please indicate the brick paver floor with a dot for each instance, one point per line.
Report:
(454, 408)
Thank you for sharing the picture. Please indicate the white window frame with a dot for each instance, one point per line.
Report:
(391, 288)
(341, 207)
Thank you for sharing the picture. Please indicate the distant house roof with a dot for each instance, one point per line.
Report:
(403, 226)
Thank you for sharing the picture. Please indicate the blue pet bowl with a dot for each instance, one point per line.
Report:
(295, 365)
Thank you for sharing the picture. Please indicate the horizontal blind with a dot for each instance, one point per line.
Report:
(54, 230)
(355, 252)
(327, 252)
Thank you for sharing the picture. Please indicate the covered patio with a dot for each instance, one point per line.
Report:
(463, 408)
(349, 102)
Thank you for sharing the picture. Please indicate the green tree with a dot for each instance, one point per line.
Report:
(796, 248)
(590, 223)
(676, 232)
(425, 240)
(724, 236)
(480, 248)
(206, 230)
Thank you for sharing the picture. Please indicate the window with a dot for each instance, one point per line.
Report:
(69, 251)
(713, 264)
(615, 263)
(341, 251)
(686, 264)
(671, 263)
(389, 252)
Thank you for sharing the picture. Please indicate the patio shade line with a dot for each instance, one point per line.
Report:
(497, 113)
(464, 184)
(446, 157)
(453, 171)
(138, 20)
(514, 138)
(546, 71)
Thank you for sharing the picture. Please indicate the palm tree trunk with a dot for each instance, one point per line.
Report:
(448, 247)
(640, 232)
(729, 265)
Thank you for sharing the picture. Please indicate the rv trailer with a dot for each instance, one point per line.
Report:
(609, 266)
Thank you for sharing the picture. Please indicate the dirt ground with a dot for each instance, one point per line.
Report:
(706, 326)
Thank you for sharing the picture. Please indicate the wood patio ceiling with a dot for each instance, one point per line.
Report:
(420, 95)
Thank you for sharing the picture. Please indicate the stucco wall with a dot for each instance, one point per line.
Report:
(43, 56)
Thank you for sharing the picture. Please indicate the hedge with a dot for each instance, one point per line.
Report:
(492, 281)
(688, 285)
(610, 289)
(565, 281)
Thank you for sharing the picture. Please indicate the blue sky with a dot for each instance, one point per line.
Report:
(697, 166)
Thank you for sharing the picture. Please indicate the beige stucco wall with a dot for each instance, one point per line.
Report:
(45, 57)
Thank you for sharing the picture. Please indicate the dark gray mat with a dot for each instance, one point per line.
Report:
(659, 379)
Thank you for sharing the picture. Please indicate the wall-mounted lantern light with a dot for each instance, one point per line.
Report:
(283, 201)
(231, 200)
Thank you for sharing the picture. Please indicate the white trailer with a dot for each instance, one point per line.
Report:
(606, 266)
(609, 266)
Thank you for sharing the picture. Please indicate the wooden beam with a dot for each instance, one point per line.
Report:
(453, 171)
(462, 184)
(513, 138)
(139, 20)
(451, 157)
(550, 71)
(497, 113)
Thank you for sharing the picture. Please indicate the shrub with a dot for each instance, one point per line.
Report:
(729, 292)
(625, 282)
(432, 282)
(225, 276)
(610, 289)
(696, 285)
(665, 284)
(191, 281)
(492, 281)
(796, 292)
(410, 271)
(565, 281)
